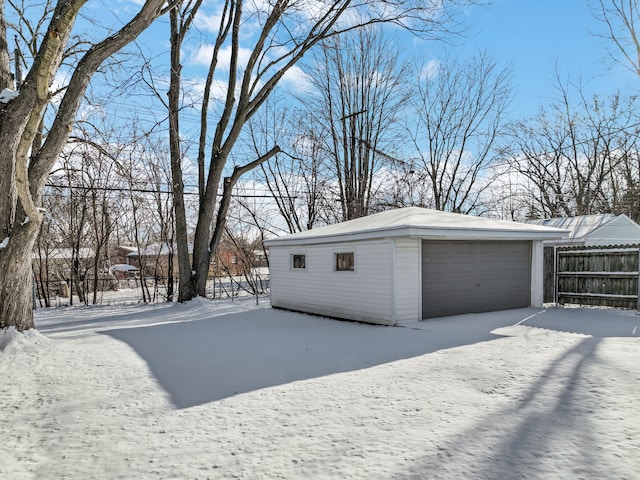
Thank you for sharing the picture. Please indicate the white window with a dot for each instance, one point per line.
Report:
(345, 262)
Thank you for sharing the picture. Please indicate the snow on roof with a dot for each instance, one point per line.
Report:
(122, 267)
(580, 226)
(66, 254)
(424, 223)
(155, 249)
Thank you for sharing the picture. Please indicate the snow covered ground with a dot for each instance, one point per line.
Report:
(227, 390)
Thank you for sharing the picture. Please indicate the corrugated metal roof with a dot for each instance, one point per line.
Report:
(579, 226)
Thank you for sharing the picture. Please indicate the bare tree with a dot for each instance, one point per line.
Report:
(300, 183)
(357, 94)
(298, 178)
(159, 174)
(621, 19)
(459, 116)
(577, 158)
(285, 30)
(25, 162)
(624, 186)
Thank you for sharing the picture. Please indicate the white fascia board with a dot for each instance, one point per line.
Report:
(488, 234)
(336, 238)
(429, 233)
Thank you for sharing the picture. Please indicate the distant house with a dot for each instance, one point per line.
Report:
(155, 259)
(118, 254)
(603, 229)
(53, 267)
(409, 264)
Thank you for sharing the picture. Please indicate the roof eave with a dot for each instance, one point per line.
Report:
(426, 233)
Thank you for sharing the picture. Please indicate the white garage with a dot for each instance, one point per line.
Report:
(409, 264)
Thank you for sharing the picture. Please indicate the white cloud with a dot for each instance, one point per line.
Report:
(430, 69)
(205, 53)
(208, 22)
(195, 88)
(298, 79)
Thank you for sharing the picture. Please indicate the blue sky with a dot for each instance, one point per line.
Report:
(534, 35)
(531, 36)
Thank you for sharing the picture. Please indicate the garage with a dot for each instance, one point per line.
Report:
(405, 265)
(471, 277)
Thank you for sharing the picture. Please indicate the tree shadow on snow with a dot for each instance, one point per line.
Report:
(549, 424)
(596, 322)
(197, 362)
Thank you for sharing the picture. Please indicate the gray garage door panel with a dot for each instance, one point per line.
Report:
(469, 277)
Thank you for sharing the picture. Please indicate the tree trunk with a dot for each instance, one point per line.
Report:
(23, 178)
(185, 283)
(16, 281)
(5, 64)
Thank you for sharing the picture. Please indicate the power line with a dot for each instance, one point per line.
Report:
(149, 190)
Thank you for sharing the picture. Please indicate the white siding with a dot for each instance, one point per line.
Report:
(364, 295)
(408, 280)
(537, 277)
(619, 231)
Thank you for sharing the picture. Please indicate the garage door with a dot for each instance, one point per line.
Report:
(468, 277)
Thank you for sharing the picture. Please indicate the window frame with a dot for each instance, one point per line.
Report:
(350, 268)
(292, 265)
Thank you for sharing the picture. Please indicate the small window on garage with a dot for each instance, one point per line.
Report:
(345, 262)
(299, 261)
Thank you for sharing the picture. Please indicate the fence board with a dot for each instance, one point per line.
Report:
(601, 277)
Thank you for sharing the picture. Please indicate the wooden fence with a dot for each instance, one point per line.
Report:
(594, 276)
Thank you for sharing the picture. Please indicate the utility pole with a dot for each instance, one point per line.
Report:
(18, 65)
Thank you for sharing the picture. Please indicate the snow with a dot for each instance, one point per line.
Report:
(122, 267)
(423, 222)
(14, 342)
(7, 95)
(25, 221)
(215, 389)
(4, 243)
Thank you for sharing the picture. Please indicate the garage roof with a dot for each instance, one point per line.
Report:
(422, 223)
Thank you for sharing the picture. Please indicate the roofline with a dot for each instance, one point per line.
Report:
(585, 237)
(599, 227)
(435, 233)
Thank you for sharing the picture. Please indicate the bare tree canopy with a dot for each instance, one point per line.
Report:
(621, 19)
(459, 115)
(579, 156)
(356, 92)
